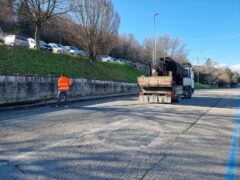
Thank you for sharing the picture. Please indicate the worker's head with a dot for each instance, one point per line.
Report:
(62, 75)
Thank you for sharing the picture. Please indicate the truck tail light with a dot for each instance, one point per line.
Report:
(168, 94)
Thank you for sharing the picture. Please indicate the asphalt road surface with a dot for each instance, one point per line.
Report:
(122, 139)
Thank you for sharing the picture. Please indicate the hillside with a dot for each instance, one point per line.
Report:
(16, 60)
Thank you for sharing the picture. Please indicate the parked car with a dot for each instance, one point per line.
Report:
(56, 48)
(119, 61)
(115, 60)
(46, 46)
(125, 61)
(106, 58)
(16, 40)
(31, 43)
(43, 45)
(84, 53)
(1, 35)
(74, 50)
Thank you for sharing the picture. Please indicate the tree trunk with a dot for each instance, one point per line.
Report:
(92, 57)
(37, 37)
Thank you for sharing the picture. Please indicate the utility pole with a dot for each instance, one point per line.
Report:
(154, 40)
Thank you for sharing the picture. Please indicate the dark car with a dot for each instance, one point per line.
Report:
(1, 36)
(45, 46)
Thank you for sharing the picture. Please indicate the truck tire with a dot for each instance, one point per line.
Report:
(189, 94)
(178, 98)
(192, 90)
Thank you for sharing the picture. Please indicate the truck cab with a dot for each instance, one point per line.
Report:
(188, 80)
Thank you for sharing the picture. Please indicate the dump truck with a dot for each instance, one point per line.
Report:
(168, 81)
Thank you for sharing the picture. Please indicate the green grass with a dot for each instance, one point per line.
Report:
(16, 60)
(201, 86)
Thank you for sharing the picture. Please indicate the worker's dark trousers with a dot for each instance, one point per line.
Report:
(61, 95)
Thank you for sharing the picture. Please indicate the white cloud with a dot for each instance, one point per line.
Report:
(235, 67)
(221, 66)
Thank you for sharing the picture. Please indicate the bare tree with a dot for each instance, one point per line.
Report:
(224, 78)
(60, 29)
(40, 11)
(166, 46)
(7, 15)
(235, 77)
(173, 47)
(98, 25)
(127, 47)
(6, 10)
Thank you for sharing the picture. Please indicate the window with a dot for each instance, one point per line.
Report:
(185, 73)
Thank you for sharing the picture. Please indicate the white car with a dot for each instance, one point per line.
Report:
(119, 61)
(31, 43)
(74, 50)
(16, 40)
(43, 45)
(125, 61)
(106, 58)
(56, 48)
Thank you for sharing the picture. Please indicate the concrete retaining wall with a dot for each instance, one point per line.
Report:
(18, 89)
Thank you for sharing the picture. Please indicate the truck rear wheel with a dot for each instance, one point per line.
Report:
(177, 98)
(189, 94)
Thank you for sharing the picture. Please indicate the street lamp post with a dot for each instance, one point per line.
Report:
(154, 40)
(59, 30)
(198, 68)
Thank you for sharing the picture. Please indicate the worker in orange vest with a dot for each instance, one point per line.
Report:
(63, 86)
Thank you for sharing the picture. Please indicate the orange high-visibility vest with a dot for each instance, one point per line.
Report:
(64, 83)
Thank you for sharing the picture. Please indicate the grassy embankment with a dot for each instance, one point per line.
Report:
(16, 60)
(202, 86)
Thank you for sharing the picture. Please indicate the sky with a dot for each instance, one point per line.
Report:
(209, 28)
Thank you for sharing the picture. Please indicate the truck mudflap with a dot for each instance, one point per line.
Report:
(144, 98)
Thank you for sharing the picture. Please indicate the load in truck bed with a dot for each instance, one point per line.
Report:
(158, 89)
(155, 81)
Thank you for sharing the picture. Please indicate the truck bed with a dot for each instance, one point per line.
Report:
(155, 81)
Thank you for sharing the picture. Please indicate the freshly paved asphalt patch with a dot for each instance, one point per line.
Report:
(120, 138)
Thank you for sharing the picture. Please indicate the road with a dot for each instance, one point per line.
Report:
(122, 139)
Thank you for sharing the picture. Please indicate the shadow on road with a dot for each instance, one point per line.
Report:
(74, 161)
(197, 101)
(209, 102)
